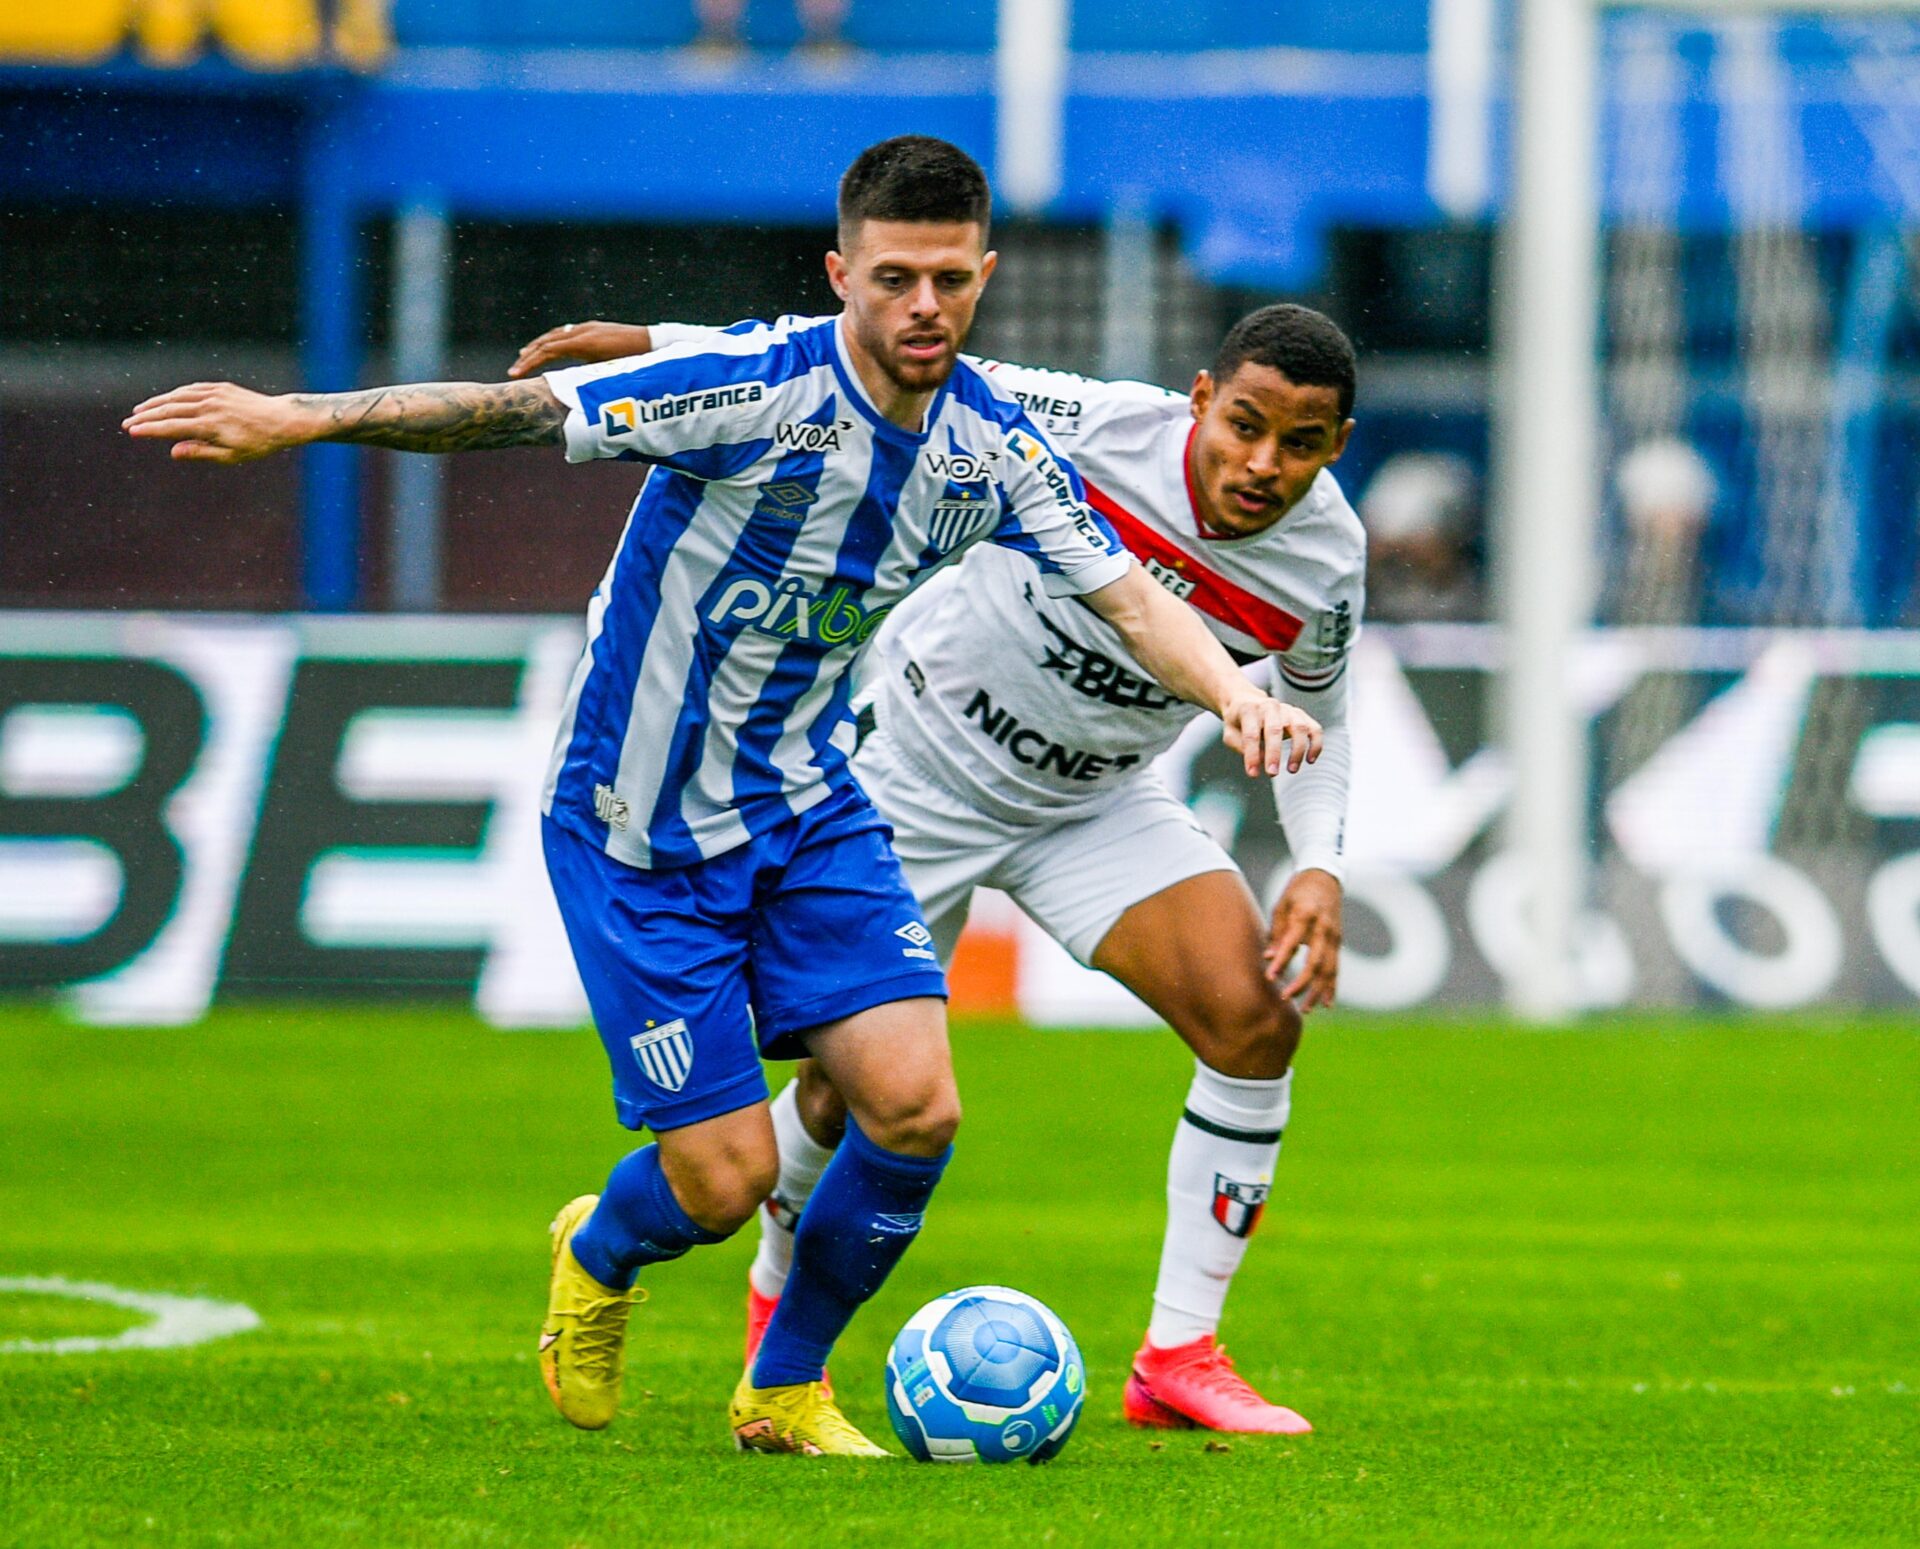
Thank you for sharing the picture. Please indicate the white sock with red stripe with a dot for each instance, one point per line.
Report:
(1224, 1150)
(802, 1160)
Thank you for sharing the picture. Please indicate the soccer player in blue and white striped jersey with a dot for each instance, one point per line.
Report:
(727, 888)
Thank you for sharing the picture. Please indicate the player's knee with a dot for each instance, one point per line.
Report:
(723, 1199)
(822, 1109)
(1252, 1035)
(921, 1123)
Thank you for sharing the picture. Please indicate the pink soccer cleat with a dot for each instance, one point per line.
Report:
(759, 1314)
(1194, 1387)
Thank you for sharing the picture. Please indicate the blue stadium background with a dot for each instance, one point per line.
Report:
(213, 219)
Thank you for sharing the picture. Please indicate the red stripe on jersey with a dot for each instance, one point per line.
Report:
(1275, 628)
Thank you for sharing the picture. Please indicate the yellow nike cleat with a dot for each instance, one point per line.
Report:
(802, 1418)
(583, 1343)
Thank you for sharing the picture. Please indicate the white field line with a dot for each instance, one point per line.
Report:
(177, 1320)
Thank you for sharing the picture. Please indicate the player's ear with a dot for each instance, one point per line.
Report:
(1340, 438)
(1202, 393)
(987, 265)
(837, 274)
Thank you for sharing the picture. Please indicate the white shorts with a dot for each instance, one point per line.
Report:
(1075, 877)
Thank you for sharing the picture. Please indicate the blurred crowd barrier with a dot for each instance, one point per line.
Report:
(254, 34)
(288, 34)
(197, 809)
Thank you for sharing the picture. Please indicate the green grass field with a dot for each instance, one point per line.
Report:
(1620, 1286)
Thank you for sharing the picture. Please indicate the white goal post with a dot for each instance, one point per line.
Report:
(1546, 479)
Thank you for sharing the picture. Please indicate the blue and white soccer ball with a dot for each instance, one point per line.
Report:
(984, 1375)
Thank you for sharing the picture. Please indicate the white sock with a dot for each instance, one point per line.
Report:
(1218, 1174)
(802, 1160)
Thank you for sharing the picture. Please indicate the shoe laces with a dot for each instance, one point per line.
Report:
(599, 1334)
(806, 1413)
(1213, 1370)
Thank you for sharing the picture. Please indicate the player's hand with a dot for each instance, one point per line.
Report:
(218, 422)
(587, 343)
(1308, 915)
(1269, 734)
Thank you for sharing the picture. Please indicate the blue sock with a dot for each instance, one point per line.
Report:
(864, 1213)
(637, 1222)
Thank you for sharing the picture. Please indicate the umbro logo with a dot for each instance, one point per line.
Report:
(919, 941)
(788, 499)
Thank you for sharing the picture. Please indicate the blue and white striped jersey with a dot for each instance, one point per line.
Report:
(783, 520)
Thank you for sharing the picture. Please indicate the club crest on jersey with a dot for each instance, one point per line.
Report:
(664, 1053)
(1170, 577)
(958, 518)
(1238, 1206)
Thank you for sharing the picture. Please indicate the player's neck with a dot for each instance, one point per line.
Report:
(896, 405)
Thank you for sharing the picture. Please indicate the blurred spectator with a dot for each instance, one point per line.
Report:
(821, 22)
(1667, 494)
(1420, 513)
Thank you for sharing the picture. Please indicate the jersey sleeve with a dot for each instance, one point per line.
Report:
(702, 406)
(1062, 405)
(1312, 804)
(1317, 659)
(1045, 516)
(1312, 673)
(667, 336)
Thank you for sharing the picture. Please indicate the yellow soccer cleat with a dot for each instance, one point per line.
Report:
(583, 1343)
(802, 1418)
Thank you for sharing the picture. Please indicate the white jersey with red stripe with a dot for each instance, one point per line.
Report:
(1031, 706)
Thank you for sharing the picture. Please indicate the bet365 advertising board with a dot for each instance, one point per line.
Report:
(198, 809)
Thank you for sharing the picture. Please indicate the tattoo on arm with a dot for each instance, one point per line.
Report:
(442, 416)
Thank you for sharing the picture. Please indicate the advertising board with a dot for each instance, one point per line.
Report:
(196, 809)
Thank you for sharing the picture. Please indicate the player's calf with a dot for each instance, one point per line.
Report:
(893, 1064)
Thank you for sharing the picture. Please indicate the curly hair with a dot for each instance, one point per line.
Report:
(1304, 346)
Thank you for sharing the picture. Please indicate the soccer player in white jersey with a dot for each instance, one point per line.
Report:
(726, 886)
(1011, 749)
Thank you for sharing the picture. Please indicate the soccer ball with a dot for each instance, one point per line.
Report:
(984, 1375)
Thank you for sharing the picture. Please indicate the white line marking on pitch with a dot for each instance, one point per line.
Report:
(177, 1320)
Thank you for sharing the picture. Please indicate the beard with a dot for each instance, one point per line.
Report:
(909, 374)
(920, 375)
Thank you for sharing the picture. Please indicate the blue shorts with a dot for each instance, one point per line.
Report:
(693, 973)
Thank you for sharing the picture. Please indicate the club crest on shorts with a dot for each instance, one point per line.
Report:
(665, 1054)
(1238, 1206)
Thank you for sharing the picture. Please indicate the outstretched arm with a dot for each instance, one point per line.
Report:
(582, 343)
(222, 423)
(1167, 638)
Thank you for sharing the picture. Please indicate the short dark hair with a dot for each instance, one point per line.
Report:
(913, 177)
(1304, 346)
